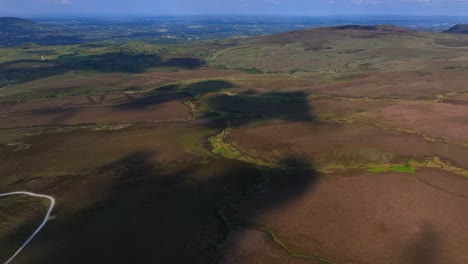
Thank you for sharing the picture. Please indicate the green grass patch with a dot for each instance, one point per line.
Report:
(399, 168)
(229, 150)
(222, 148)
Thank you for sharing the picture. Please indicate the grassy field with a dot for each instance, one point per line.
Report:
(339, 145)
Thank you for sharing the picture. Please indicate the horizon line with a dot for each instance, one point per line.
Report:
(133, 15)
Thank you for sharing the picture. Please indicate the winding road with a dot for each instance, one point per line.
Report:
(46, 218)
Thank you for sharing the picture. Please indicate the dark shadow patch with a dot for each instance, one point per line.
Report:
(247, 107)
(205, 87)
(175, 92)
(168, 88)
(144, 211)
(104, 63)
(425, 248)
(153, 213)
(288, 183)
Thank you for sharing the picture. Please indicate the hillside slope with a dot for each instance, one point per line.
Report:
(14, 24)
(327, 33)
(16, 31)
(334, 49)
(460, 29)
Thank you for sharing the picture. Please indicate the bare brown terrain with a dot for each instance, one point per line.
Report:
(398, 219)
(98, 109)
(349, 143)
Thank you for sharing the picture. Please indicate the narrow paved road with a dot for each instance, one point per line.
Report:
(46, 218)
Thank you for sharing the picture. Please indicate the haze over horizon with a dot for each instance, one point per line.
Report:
(241, 7)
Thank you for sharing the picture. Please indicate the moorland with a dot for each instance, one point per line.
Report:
(341, 144)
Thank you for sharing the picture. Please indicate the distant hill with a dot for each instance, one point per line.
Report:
(11, 24)
(16, 21)
(460, 29)
(327, 33)
(20, 31)
(338, 49)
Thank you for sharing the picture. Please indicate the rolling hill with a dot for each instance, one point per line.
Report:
(332, 145)
(334, 49)
(14, 24)
(460, 29)
(313, 35)
(16, 31)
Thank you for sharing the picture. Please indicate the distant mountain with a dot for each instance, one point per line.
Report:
(460, 29)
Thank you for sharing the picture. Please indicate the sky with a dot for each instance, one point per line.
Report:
(274, 7)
